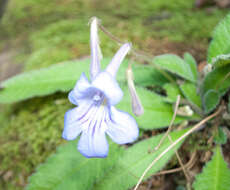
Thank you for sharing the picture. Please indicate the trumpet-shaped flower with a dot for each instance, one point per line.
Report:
(96, 117)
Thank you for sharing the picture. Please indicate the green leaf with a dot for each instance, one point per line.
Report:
(176, 65)
(62, 77)
(68, 169)
(210, 100)
(221, 37)
(192, 63)
(144, 75)
(135, 160)
(221, 60)
(157, 113)
(189, 90)
(218, 80)
(215, 175)
(172, 92)
(220, 137)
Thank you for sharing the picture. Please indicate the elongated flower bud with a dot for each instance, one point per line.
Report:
(114, 65)
(96, 54)
(137, 107)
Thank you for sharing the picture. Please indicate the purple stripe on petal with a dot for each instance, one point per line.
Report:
(102, 119)
(85, 112)
(83, 122)
(94, 128)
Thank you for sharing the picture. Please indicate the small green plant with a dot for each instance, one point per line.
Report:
(215, 174)
(158, 84)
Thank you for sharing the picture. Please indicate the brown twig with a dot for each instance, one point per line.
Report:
(188, 165)
(196, 127)
(137, 53)
(170, 139)
(171, 123)
(181, 164)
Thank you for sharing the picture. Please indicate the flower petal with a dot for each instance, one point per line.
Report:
(78, 92)
(114, 65)
(122, 128)
(109, 86)
(72, 98)
(93, 143)
(71, 127)
(95, 49)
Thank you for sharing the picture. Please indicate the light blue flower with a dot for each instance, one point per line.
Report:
(96, 117)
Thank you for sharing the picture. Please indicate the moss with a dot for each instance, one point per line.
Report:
(5, 112)
(47, 56)
(33, 133)
(155, 18)
(190, 29)
(64, 32)
(68, 39)
(26, 16)
(60, 28)
(57, 42)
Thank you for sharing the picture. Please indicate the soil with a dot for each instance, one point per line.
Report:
(7, 66)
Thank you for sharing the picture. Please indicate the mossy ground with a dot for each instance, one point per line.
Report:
(32, 132)
(48, 32)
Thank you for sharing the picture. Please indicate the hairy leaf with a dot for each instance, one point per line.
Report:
(176, 65)
(68, 169)
(172, 92)
(221, 60)
(157, 113)
(62, 77)
(215, 175)
(220, 136)
(221, 37)
(216, 84)
(192, 62)
(210, 100)
(135, 160)
(190, 92)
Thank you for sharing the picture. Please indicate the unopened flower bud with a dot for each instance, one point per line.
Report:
(137, 107)
(185, 111)
(207, 69)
